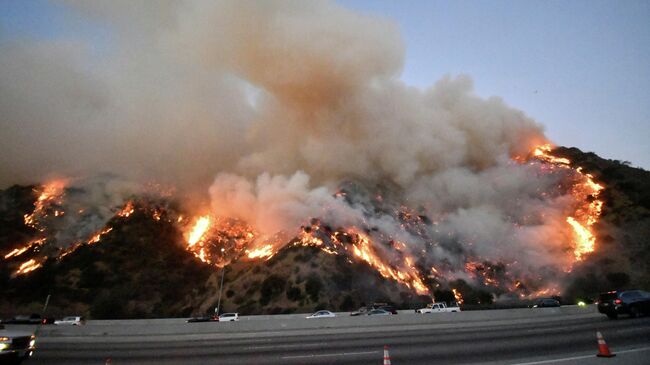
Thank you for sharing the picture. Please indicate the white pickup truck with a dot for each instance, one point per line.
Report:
(438, 308)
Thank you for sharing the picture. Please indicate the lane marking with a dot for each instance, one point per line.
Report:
(579, 357)
(288, 346)
(325, 355)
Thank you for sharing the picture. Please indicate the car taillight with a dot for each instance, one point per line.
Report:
(618, 301)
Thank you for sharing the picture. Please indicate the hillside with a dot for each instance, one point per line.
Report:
(139, 267)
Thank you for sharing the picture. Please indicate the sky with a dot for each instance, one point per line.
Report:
(581, 68)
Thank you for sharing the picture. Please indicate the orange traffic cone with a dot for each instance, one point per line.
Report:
(386, 355)
(603, 349)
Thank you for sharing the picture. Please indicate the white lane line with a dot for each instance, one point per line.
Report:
(325, 355)
(286, 346)
(578, 357)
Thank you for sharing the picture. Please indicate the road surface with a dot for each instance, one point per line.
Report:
(564, 338)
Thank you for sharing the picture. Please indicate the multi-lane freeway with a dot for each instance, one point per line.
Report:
(522, 336)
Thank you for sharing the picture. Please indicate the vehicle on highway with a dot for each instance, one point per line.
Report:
(206, 318)
(321, 314)
(378, 312)
(15, 346)
(28, 319)
(632, 302)
(389, 308)
(228, 317)
(546, 303)
(361, 311)
(72, 321)
(438, 308)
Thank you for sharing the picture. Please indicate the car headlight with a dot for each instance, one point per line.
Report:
(32, 343)
(3, 346)
(2, 339)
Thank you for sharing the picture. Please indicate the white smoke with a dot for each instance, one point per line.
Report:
(281, 101)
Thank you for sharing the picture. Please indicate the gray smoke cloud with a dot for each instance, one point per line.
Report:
(281, 101)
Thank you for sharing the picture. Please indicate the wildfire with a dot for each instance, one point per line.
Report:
(49, 198)
(457, 296)
(262, 252)
(19, 251)
(585, 216)
(198, 231)
(128, 209)
(28, 266)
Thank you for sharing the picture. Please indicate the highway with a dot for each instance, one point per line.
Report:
(529, 336)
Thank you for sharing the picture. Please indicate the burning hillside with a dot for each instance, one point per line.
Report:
(257, 142)
(414, 248)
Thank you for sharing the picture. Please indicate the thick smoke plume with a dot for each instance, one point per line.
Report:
(282, 101)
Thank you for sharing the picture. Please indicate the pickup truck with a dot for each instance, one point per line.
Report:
(438, 308)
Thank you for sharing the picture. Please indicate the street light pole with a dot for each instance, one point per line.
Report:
(223, 273)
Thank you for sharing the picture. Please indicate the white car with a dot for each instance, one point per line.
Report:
(322, 314)
(229, 317)
(15, 346)
(74, 321)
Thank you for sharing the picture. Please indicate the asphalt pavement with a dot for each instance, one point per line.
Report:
(552, 338)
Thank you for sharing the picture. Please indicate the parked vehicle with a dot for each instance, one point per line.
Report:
(547, 303)
(378, 312)
(72, 321)
(438, 308)
(321, 314)
(228, 317)
(632, 302)
(15, 346)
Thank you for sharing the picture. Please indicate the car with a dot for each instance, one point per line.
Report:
(361, 312)
(15, 346)
(206, 318)
(546, 303)
(632, 302)
(72, 321)
(228, 317)
(27, 319)
(321, 314)
(389, 308)
(378, 312)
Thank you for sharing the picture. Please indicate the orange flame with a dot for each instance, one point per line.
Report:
(198, 231)
(28, 266)
(585, 216)
(457, 296)
(50, 194)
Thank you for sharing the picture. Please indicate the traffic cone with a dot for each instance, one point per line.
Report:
(603, 349)
(386, 355)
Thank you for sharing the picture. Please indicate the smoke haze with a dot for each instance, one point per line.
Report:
(281, 101)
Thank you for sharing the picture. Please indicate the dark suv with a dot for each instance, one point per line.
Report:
(632, 302)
